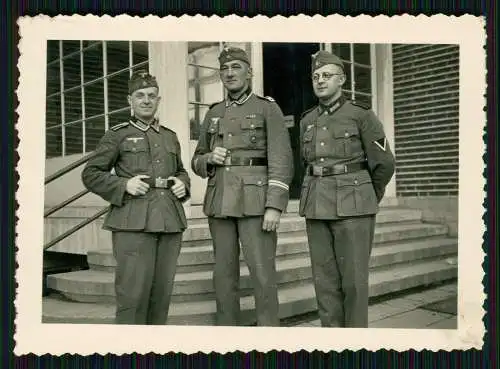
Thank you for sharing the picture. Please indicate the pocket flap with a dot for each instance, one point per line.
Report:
(353, 179)
(252, 124)
(345, 132)
(255, 180)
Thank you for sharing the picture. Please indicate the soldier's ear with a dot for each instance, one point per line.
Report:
(250, 72)
(129, 99)
(342, 79)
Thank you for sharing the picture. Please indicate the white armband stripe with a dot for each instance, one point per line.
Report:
(276, 183)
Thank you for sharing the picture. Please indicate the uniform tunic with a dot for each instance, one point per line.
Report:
(345, 133)
(252, 127)
(133, 148)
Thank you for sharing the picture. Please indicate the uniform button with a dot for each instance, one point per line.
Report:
(133, 149)
(356, 181)
(322, 159)
(259, 182)
(324, 128)
(158, 160)
(322, 143)
(253, 139)
(227, 168)
(252, 125)
(228, 151)
(162, 193)
(229, 134)
(156, 145)
(346, 134)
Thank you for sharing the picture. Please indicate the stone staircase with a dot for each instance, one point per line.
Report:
(407, 253)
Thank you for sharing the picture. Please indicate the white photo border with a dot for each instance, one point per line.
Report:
(32, 336)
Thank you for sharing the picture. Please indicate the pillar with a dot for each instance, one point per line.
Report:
(168, 62)
(385, 100)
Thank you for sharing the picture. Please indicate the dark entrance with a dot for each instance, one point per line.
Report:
(287, 79)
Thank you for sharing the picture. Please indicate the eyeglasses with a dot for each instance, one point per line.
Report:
(326, 76)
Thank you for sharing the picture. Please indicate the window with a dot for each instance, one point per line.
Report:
(87, 84)
(358, 64)
(205, 86)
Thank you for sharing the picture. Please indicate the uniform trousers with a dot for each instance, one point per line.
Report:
(144, 277)
(259, 252)
(340, 255)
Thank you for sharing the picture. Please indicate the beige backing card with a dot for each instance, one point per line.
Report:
(34, 337)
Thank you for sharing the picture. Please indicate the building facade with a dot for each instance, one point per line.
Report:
(412, 88)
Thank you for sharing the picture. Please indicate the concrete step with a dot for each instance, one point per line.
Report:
(98, 286)
(200, 257)
(293, 300)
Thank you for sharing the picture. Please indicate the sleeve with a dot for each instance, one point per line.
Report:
(96, 175)
(182, 173)
(199, 162)
(381, 161)
(279, 159)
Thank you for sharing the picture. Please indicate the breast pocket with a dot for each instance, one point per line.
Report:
(253, 133)
(135, 154)
(347, 140)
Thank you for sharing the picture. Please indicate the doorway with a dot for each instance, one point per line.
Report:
(287, 79)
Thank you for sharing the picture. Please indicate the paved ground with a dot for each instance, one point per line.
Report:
(433, 308)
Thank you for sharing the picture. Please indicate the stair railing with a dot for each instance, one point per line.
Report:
(73, 198)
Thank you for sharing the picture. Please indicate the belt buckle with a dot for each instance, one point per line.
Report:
(227, 160)
(317, 170)
(250, 162)
(161, 182)
(345, 168)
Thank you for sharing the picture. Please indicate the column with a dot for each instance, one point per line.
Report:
(168, 62)
(257, 67)
(385, 100)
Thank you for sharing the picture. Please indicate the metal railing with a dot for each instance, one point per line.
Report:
(73, 198)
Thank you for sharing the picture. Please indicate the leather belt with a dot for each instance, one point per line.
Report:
(320, 171)
(235, 161)
(159, 182)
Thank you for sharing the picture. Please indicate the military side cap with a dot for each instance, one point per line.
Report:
(141, 79)
(322, 58)
(233, 53)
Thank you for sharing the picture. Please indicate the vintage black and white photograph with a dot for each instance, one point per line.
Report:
(203, 182)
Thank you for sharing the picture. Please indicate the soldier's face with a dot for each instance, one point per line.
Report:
(144, 102)
(235, 75)
(327, 81)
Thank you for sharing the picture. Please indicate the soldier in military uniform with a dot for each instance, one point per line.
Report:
(146, 215)
(348, 164)
(244, 150)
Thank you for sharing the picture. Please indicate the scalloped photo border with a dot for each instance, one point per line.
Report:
(32, 336)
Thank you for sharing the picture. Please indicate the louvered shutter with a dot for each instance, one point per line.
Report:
(426, 88)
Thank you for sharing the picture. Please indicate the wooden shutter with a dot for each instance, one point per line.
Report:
(426, 87)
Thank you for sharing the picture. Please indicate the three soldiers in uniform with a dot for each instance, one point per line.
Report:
(244, 151)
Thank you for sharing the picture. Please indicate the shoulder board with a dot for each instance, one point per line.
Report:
(168, 129)
(268, 98)
(119, 126)
(215, 103)
(360, 104)
(307, 111)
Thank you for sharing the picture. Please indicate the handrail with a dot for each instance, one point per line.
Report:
(75, 228)
(64, 203)
(69, 167)
(82, 193)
